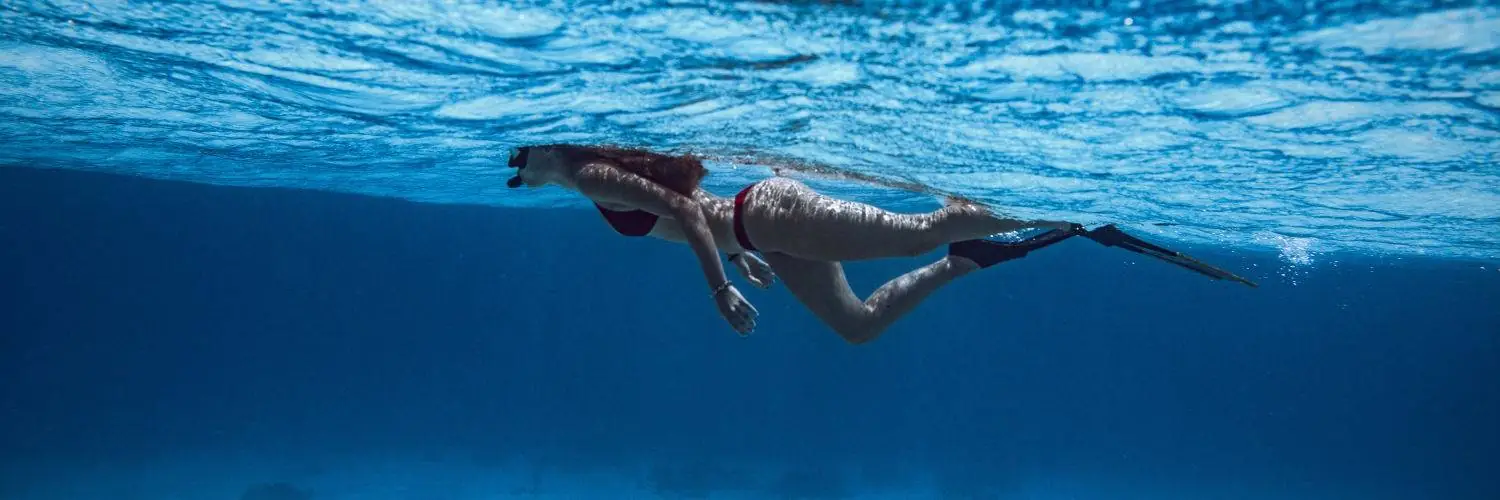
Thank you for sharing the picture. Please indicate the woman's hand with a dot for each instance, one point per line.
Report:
(756, 271)
(738, 311)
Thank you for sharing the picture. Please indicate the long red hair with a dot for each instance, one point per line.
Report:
(681, 173)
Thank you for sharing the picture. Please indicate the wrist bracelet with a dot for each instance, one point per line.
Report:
(720, 289)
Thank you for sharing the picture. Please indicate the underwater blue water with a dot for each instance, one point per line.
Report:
(248, 243)
(170, 341)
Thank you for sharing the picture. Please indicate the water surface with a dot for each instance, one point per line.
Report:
(1296, 127)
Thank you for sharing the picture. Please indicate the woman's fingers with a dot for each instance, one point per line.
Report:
(737, 311)
(747, 315)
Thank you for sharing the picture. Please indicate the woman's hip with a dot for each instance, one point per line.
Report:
(783, 215)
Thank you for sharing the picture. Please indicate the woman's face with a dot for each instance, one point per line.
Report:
(536, 166)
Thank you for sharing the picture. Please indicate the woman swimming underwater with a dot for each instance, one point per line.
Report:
(802, 235)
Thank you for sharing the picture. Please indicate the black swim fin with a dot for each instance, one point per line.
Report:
(1111, 236)
(987, 253)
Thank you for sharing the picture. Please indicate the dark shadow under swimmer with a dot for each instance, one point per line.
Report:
(801, 235)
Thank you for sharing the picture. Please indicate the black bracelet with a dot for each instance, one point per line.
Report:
(733, 255)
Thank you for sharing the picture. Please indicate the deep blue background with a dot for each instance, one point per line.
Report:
(143, 318)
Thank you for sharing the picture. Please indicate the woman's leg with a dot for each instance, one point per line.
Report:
(785, 216)
(823, 289)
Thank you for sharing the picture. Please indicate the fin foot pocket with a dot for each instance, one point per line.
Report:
(987, 253)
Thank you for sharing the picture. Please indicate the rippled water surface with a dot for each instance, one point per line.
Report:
(1303, 127)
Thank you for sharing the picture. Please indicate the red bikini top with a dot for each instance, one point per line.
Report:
(629, 223)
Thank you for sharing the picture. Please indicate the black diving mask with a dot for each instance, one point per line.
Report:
(518, 159)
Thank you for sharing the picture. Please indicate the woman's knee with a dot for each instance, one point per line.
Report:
(855, 335)
(858, 328)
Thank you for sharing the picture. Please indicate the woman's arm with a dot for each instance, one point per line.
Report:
(754, 269)
(605, 182)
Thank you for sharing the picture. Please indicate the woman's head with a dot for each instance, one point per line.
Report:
(535, 166)
(538, 163)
